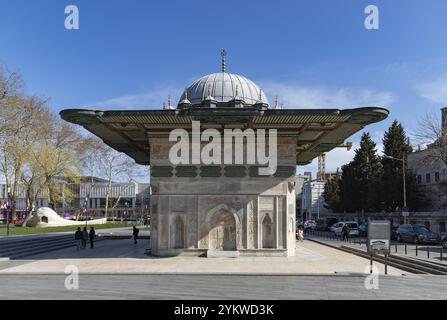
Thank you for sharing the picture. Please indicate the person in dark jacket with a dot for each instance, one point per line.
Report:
(78, 238)
(135, 234)
(345, 233)
(92, 235)
(84, 238)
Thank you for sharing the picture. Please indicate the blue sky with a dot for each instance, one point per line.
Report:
(134, 53)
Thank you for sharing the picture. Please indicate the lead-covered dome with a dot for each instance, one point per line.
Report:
(224, 87)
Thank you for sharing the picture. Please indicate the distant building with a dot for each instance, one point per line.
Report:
(312, 203)
(126, 200)
(301, 179)
(431, 173)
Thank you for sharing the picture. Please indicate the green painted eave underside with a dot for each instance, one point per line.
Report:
(317, 130)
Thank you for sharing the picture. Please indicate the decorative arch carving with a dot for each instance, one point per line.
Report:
(223, 225)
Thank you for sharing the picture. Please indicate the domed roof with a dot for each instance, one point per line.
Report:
(224, 87)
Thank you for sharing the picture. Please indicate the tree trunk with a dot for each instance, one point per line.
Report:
(107, 206)
(29, 213)
(109, 191)
(29, 207)
(78, 215)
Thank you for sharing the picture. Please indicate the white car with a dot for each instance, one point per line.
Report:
(310, 224)
(352, 225)
(334, 226)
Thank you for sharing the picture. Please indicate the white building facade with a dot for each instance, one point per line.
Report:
(313, 204)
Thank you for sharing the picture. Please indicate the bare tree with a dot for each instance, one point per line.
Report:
(19, 117)
(114, 165)
(58, 157)
(432, 134)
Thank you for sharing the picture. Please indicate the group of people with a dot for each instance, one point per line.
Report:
(83, 236)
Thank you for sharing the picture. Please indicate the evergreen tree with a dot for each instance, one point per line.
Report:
(360, 181)
(396, 145)
(347, 189)
(331, 193)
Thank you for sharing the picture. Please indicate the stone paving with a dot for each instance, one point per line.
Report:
(123, 257)
(224, 287)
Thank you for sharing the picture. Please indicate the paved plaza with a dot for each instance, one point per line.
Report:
(123, 257)
(226, 287)
(118, 269)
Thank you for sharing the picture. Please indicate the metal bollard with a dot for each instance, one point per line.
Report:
(416, 250)
(442, 258)
(428, 252)
(395, 247)
(405, 248)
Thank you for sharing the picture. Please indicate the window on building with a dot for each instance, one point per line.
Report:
(427, 178)
(419, 179)
(437, 177)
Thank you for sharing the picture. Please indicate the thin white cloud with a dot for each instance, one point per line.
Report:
(435, 91)
(297, 96)
(294, 95)
(291, 95)
(151, 99)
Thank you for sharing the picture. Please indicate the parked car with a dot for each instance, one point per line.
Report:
(321, 225)
(310, 224)
(394, 232)
(325, 224)
(417, 234)
(363, 230)
(352, 225)
(332, 228)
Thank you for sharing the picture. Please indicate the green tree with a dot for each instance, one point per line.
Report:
(331, 193)
(360, 181)
(347, 188)
(396, 145)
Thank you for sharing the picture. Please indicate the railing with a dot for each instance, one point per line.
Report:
(434, 253)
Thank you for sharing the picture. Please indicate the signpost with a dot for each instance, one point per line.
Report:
(405, 214)
(379, 240)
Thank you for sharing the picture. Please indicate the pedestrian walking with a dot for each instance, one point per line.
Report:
(78, 239)
(85, 237)
(300, 234)
(92, 235)
(135, 234)
(345, 233)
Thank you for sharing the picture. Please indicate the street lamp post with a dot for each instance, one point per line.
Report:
(318, 208)
(126, 212)
(85, 210)
(404, 184)
(8, 211)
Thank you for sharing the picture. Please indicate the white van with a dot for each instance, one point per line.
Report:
(352, 225)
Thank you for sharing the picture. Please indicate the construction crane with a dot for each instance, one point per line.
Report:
(321, 175)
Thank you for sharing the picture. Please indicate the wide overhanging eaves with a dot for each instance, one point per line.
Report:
(317, 130)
